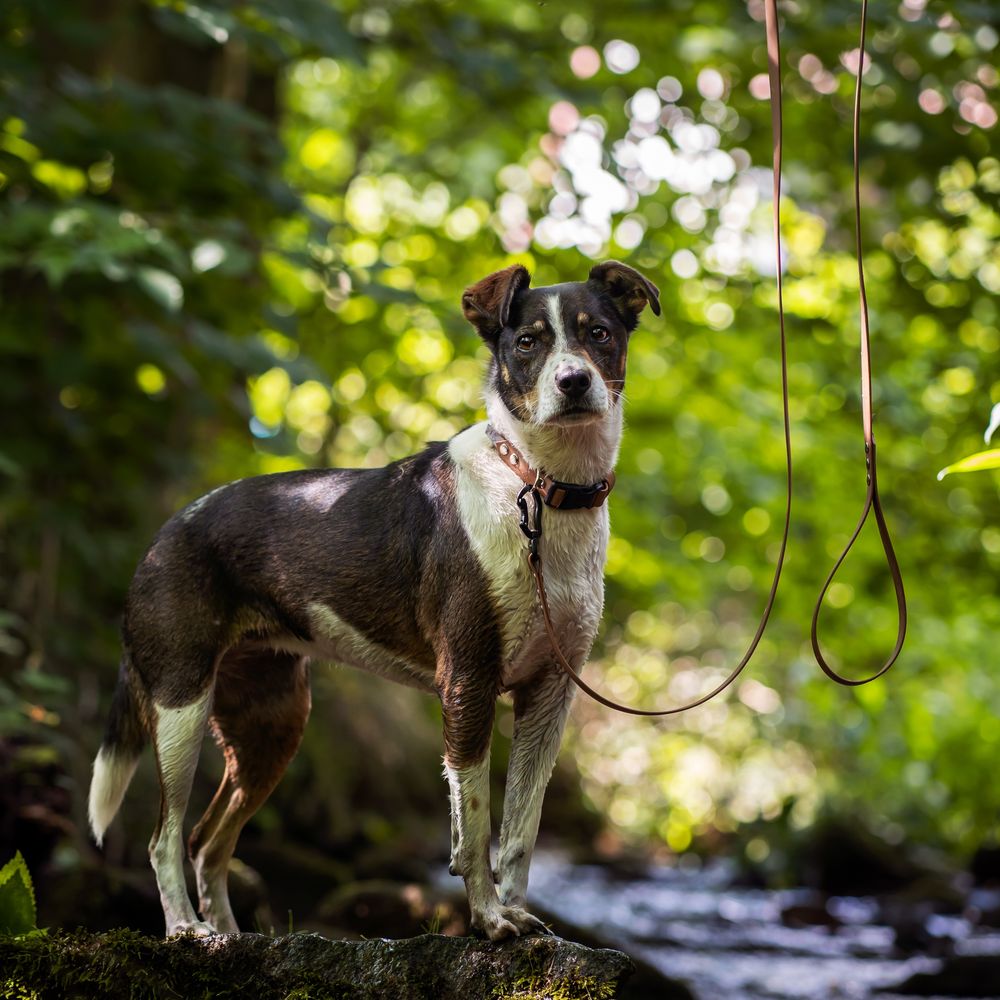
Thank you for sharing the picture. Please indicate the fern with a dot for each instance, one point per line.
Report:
(17, 898)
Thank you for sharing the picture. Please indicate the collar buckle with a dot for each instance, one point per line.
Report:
(545, 489)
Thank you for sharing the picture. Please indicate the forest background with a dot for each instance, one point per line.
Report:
(233, 239)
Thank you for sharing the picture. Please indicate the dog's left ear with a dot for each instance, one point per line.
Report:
(487, 303)
(627, 288)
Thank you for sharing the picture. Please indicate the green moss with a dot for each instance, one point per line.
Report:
(10, 989)
(125, 964)
(572, 988)
(538, 983)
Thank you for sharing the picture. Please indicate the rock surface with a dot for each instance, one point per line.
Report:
(645, 983)
(124, 964)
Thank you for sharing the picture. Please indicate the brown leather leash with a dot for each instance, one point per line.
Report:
(539, 486)
(872, 500)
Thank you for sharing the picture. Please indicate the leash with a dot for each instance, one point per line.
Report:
(538, 486)
(872, 500)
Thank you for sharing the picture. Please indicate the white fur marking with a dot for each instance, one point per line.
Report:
(556, 322)
(470, 796)
(573, 549)
(112, 774)
(537, 736)
(339, 642)
(179, 732)
(470, 791)
(178, 737)
(321, 493)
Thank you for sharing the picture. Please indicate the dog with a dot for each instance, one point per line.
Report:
(416, 571)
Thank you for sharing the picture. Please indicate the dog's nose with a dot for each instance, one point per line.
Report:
(573, 382)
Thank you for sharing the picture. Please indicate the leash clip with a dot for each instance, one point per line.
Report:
(531, 531)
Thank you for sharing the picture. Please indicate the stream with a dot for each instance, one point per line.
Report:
(733, 943)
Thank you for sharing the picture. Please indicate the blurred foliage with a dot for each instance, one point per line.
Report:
(233, 239)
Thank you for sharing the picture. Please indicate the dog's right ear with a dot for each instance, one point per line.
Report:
(487, 303)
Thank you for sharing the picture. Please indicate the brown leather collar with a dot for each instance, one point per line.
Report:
(563, 496)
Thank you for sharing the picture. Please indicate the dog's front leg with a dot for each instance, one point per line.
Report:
(468, 724)
(540, 710)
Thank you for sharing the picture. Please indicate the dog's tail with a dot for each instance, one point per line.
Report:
(124, 740)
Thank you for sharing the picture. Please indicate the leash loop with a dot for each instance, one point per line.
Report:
(872, 503)
(872, 500)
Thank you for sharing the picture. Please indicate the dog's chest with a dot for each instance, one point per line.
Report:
(573, 549)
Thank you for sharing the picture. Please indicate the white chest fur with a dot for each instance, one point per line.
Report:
(573, 550)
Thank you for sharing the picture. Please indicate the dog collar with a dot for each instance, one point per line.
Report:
(562, 496)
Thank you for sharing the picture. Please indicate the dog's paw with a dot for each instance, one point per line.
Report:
(221, 923)
(504, 922)
(196, 927)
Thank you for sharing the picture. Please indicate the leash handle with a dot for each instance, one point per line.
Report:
(534, 559)
(872, 500)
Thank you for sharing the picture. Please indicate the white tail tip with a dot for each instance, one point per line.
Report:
(112, 774)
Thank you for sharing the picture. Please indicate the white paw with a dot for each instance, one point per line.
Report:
(196, 927)
(501, 922)
(224, 923)
(218, 915)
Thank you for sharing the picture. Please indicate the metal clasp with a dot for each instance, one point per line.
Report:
(531, 521)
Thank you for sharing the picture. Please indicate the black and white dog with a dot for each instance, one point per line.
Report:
(415, 571)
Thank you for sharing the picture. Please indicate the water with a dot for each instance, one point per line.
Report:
(729, 943)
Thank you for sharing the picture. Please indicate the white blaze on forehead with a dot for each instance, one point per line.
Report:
(556, 321)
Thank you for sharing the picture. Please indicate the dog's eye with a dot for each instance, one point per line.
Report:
(600, 333)
(525, 342)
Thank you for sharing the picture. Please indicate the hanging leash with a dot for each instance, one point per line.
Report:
(546, 492)
(872, 500)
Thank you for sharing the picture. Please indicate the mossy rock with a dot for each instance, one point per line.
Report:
(124, 965)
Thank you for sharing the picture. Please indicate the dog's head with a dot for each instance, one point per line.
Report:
(559, 351)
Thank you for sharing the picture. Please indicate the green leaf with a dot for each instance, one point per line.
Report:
(17, 898)
(974, 463)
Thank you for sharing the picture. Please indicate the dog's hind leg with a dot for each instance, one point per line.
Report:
(259, 711)
(540, 709)
(177, 738)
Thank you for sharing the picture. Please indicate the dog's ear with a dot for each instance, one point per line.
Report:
(487, 303)
(627, 288)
